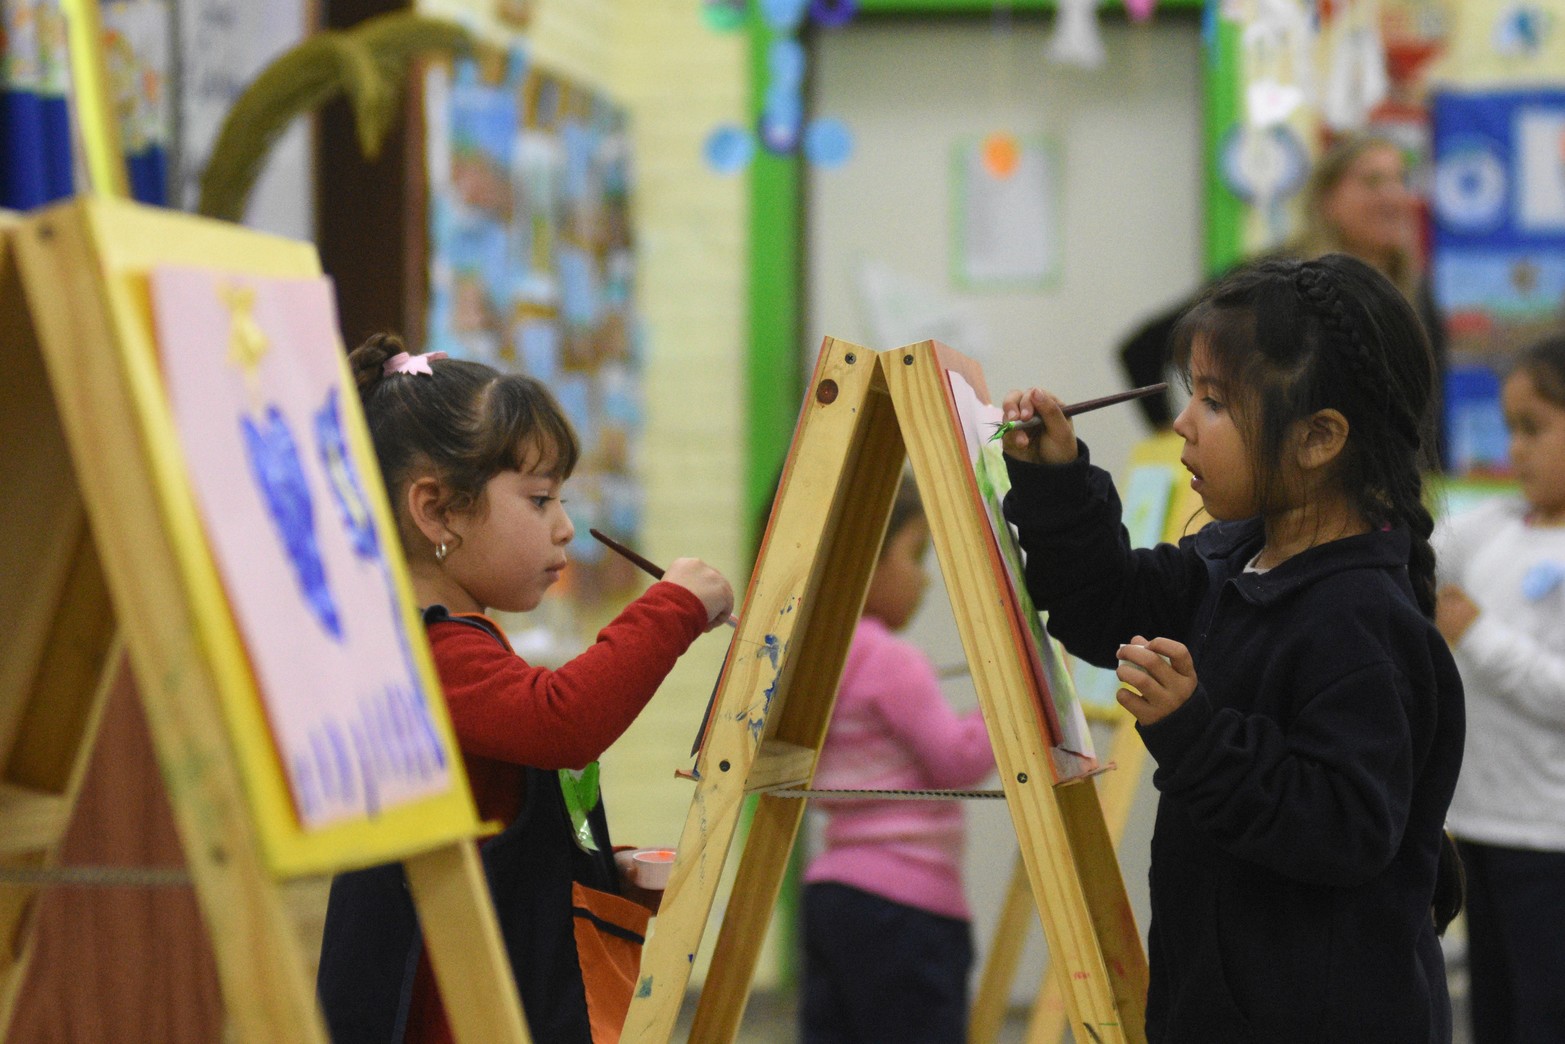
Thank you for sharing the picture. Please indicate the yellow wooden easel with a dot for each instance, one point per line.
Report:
(866, 413)
(109, 558)
(1117, 792)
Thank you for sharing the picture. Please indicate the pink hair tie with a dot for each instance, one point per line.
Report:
(402, 362)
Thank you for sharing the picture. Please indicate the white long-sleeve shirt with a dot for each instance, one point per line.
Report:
(1511, 790)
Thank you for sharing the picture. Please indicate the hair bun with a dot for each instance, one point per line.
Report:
(367, 362)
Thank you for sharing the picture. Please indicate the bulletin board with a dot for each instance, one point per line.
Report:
(1499, 267)
(531, 270)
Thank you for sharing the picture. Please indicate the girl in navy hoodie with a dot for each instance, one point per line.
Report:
(1282, 663)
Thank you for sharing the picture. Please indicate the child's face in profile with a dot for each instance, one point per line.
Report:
(1215, 453)
(1537, 447)
(513, 542)
(898, 585)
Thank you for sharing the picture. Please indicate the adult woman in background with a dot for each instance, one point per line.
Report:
(1356, 202)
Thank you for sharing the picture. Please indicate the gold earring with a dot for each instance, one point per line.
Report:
(441, 550)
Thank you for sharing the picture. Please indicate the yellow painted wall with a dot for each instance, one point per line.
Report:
(680, 80)
(1470, 58)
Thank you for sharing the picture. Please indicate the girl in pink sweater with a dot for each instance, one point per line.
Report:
(887, 934)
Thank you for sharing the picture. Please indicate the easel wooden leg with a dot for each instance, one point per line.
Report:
(1069, 858)
(51, 731)
(773, 828)
(814, 569)
(993, 997)
(464, 944)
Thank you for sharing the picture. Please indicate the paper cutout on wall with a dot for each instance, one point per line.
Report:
(723, 16)
(780, 125)
(1007, 229)
(1356, 80)
(1520, 30)
(1264, 166)
(1278, 76)
(899, 309)
(833, 14)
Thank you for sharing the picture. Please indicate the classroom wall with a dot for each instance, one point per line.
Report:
(679, 80)
(1130, 138)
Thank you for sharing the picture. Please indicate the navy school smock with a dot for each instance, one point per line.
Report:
(371, 944)
(1302, 788)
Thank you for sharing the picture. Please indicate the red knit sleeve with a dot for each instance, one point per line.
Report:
(503, 708)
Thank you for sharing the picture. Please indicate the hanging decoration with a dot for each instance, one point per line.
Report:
(1076, 40)
(1140, 10)
(1520, 30)
(1356, 80)
(1276, 44)
(780, 126)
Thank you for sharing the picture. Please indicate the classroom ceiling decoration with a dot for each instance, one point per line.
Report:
(780, 127)
(1076, 40)
(1520, 29)
(1356, 77)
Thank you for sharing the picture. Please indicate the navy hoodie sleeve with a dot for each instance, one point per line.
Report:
(1081, 569)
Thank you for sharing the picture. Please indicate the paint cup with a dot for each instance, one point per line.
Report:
(653, 865)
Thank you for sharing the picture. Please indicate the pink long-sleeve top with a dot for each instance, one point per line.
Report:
(893, 730)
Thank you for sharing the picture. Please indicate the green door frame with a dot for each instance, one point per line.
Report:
(775, 374)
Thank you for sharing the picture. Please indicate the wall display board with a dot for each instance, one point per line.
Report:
(531, 269)
(1499, 264)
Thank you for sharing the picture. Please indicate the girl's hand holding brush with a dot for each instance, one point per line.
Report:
(1054, 443)
(706, 584)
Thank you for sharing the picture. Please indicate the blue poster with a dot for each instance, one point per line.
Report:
(1498, 204)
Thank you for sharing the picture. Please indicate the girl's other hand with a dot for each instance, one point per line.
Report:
(1054, 443)
(1163, 673)
(706, 584)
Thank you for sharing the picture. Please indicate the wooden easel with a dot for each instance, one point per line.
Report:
(1117, 794)
(93, 569)
(866, 413)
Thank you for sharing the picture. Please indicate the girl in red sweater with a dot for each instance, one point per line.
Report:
(475, 461)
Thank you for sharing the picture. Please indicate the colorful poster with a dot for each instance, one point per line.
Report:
(531, 270)
(254, 377)
(1061, 709)
(1006, 215)
(1499, 249)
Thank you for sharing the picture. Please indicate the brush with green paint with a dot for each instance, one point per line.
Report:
(1035, 422)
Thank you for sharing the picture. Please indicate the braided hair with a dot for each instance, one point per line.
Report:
(463, 422)
(1295, 337)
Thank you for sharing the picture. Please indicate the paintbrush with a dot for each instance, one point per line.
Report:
(657, 572)
(1035, 422)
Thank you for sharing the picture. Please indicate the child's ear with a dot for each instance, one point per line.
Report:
(1321, 438)
(426, 500)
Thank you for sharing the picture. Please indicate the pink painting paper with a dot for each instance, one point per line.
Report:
(251, 368)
